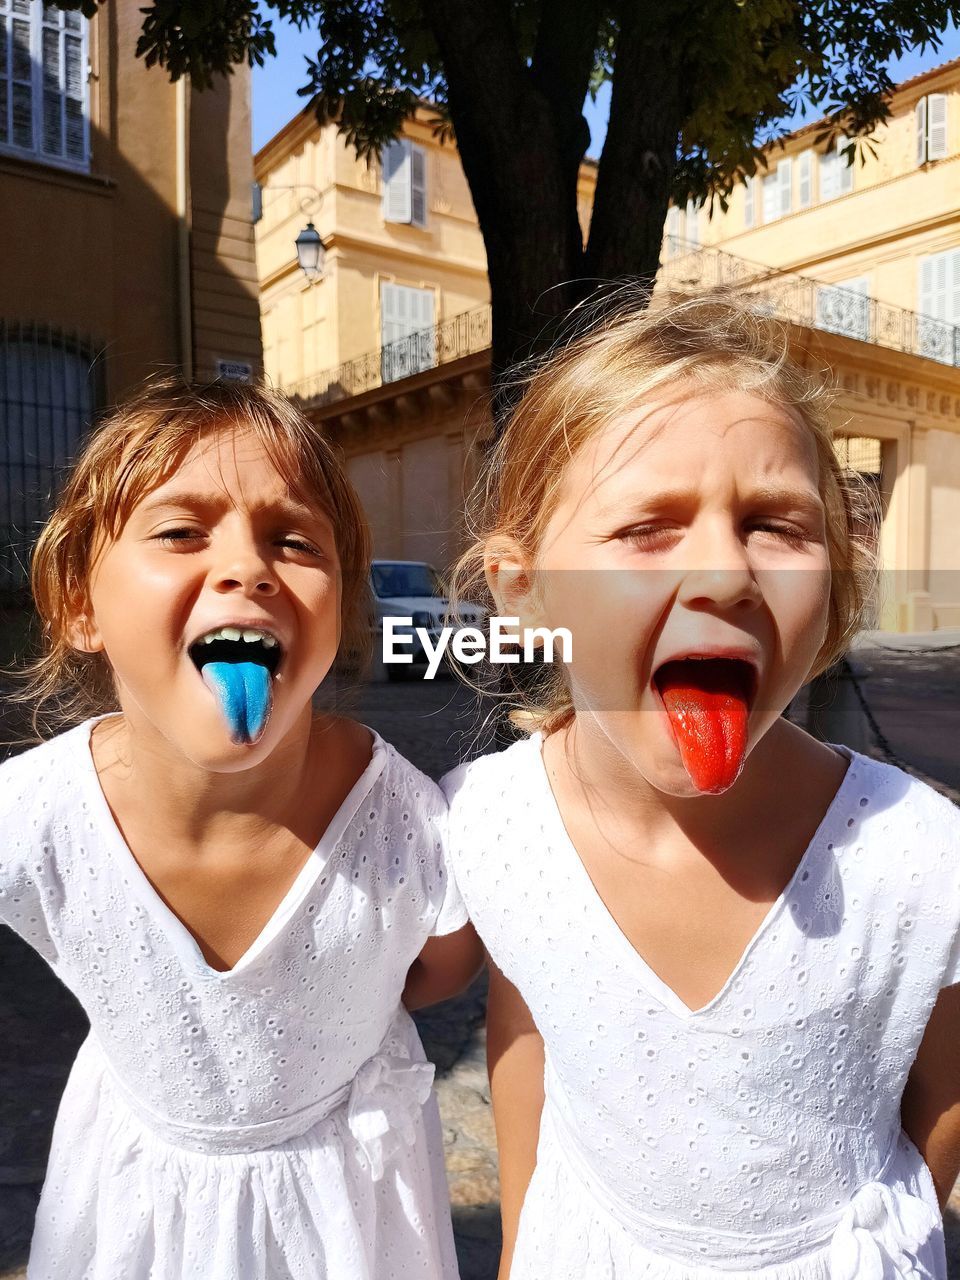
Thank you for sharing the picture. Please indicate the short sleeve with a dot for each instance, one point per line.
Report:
(23, 858)
(452, 914)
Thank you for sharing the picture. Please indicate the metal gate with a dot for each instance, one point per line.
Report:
(51, 386)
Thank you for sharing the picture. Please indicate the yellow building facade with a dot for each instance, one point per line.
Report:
(864, 261)
(128, 248)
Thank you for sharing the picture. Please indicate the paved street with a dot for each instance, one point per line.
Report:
(915, 699)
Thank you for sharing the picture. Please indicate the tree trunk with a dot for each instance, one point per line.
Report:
(522, 138)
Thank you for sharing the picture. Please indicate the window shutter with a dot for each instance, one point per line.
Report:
(939, 305)
(771, 197)
(936, 126)
(692, 224)
(785, 175)
(389, 314)
(805, 178)
(418, 186)
(423, 300)
(953, 300)
(921, 120)
(846, 170)
(749, 202)
(673, 231)
(397, 205)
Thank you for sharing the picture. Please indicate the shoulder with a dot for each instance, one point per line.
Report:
(890, 799)
(903, 823)
(41, 776)
(489, 777)
(407, 788)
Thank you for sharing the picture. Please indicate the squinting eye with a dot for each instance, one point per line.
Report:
(172, 536)
(646, 535)
(789, 533)
(298, 544)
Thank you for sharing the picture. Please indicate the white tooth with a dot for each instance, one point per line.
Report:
(269, 642)
(252, 637)
(229, 633)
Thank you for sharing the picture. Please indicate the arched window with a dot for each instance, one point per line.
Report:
(49, 393)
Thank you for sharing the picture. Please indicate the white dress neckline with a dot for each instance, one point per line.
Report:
(620, 945)
(180, 937)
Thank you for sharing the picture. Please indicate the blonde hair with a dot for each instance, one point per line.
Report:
(714, 340)
(132, 452)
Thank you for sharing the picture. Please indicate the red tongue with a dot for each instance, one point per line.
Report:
(706, 700)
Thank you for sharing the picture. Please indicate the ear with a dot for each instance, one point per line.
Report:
(512, 582)
(82, 630)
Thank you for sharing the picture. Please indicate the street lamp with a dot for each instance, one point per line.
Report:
(310, 252)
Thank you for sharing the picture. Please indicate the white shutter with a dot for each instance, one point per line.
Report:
(418, 186)
(749, 202)
(921, 130)
(692, 224)
(423, 300)
(771, 197)
(673, 231)
(936, 126)
(828, 176)
(390, 324)
(846, 170)
(785, 175)
(395, 162)
(939, 305)
(805, 178)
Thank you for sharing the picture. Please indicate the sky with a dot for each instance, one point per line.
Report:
(275, 85)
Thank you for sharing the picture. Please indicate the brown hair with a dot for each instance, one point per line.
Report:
(134, 450)
(711, 340)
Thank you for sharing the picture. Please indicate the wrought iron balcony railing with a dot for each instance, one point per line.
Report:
(797, 298)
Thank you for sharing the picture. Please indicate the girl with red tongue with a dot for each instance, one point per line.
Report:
(716, 1036)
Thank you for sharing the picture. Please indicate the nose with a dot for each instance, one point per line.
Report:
(243, 567)
(720, 574)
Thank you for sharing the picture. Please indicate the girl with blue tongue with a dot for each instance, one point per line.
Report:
(243, 692)
(265, 1110)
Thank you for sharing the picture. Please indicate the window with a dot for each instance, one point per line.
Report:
(844, 307)
(805, 178)
(750, 202)
(931, 120)
(43, 82)
(692, 225)
(49, 390)
(777, 192)
(404, 183)
(836, 176)
(407, 338)
(673, 231)
(939, 289)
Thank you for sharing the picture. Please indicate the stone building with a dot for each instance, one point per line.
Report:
(389, 346)
(127, 242)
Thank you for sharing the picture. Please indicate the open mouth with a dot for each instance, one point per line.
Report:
(238, 666)
(707, 701)
(734, 676)
(235, 645)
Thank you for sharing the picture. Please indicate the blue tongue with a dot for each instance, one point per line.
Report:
(244, 694)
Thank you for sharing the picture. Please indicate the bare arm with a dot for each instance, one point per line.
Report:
(930, 1109)
(515, 1062)
(443, 968)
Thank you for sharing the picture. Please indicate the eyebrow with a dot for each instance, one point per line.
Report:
(288, 508)
(799, 500)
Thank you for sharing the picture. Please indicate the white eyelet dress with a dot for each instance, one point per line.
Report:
(757, 1138)
(273, 1122)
